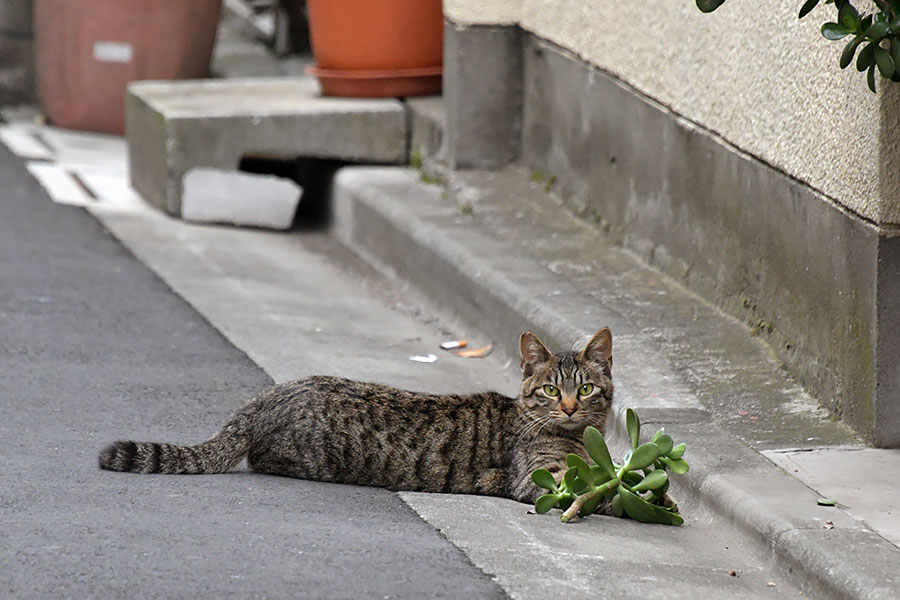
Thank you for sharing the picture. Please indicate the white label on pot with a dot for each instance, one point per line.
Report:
(117, 52)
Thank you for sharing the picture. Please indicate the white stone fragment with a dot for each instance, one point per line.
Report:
(238, 198)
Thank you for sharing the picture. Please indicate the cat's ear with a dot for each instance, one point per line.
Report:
(600, 347)
(534, 352)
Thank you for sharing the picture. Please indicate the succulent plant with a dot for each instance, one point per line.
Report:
(636, 488)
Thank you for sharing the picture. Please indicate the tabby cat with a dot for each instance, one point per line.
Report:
(333, 429)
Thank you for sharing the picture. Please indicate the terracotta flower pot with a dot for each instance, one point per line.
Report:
(86, 52)
(377, 48)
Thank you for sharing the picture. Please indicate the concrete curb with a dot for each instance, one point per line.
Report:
(412, 231)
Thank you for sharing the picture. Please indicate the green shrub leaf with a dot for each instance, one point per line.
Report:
(664, 443)
(679, 466)
(848, 16)
(643, 456)
(850, 50)
(884, 61)
(598, 450)
(866, 58)
(544, 479)
(545, 503)
(590, 506)
(708, 6)
(653, 481)
(633, 425)
(636, 507)
(870, 78)
(582, 468)
(833, 31)
(677, 452)
(878, 30)
(807, 7)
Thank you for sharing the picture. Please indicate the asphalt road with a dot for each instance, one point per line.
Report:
(94, 347)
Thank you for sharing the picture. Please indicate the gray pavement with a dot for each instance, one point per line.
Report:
(96, 347)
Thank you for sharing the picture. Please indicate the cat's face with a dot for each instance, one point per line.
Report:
(569, 390)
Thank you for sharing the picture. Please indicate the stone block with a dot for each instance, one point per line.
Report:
(482, 94)
(173, 127)
(237, 198)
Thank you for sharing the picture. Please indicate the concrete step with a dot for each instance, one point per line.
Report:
(497, 251)
(173, 127)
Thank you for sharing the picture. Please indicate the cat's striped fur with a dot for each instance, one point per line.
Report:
(333, 429)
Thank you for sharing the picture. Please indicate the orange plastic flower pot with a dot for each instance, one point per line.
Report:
(377, 48)
(86, 52)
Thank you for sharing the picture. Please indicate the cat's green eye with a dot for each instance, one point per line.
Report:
(586, 389)
(551, 390)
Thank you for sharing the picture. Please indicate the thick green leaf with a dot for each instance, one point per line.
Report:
(884, 61)
(643, 456)
(544, 479)
(601, 475)
(632, 477)
(878, 30)
(617, 508)
(597, 449)
(664, 443)
(655, 480)
(807, 6)
(850, 51)
(633, 425)
(895, 52)
(545, 503)
(677, 452)
(866, 58)
(848, 16)
(865, 23)
(569, 480)
(668, 517)
(658, 494)
(566, 501)
(640, 510)
(679, 466)
(636, 507)
(590, 506)
(709, 5)
(895, 25)
(582, 468)
(833, 31)
(870, 78)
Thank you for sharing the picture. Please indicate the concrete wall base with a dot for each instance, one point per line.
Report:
(820, 284)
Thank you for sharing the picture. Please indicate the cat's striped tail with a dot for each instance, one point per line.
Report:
(219, 454)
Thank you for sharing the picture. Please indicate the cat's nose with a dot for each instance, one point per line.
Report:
(569, 410)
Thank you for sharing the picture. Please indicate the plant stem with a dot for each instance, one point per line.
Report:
(572, 511)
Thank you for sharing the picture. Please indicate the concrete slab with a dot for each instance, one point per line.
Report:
(236, 198)
(175, 126)
(862, 480)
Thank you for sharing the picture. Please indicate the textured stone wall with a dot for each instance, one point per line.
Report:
(762, 80)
